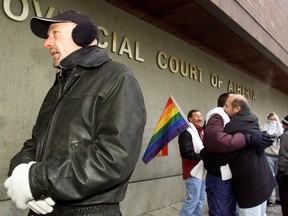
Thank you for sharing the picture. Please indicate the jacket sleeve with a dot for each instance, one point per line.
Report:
(283, 154)
(28, 151)
(108, 162)
(186, 147)
(26, 155)
(216, 140)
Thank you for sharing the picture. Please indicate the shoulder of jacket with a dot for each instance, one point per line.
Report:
(216, 117)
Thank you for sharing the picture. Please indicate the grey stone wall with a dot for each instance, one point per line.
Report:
(26, 75)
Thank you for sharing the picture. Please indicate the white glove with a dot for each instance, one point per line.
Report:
(41, 206)
(19, 168)
(17, 185)
(16, 170)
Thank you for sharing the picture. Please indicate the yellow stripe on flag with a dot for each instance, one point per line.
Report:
(164, 119)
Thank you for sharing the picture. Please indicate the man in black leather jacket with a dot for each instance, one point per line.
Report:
(88, 134)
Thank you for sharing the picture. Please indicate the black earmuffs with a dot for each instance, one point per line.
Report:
(84, 34)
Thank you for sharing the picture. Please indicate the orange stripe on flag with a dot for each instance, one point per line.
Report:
(163, 152)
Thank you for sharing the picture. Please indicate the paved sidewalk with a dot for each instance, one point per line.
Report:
(174, 211)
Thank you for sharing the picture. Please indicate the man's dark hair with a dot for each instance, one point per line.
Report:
(222, 99)
(191, 113)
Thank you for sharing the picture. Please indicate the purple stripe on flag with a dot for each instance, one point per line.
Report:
(154, 148)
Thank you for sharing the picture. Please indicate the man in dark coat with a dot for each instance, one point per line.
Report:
(220, 194)
(252, 179)
(88, 134)
(282, 175)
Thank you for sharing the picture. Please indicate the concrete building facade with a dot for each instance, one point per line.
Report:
(163, 64)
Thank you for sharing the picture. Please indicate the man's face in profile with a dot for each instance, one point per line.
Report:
(60, 42)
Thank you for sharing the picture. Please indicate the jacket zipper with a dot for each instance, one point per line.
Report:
(54, 113)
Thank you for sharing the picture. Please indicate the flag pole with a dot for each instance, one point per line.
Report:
(181, 112)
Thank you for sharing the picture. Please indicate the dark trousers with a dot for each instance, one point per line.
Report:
(93, 210)
(282, 181)
(220, 196)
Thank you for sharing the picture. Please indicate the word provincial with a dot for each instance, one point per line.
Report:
(125, 46)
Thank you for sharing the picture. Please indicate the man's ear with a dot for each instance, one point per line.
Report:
(238, 108)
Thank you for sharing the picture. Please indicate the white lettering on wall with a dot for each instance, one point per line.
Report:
(25, 10)
(39, 12)
(176, 65)
(215, 80)
(123, 47)
(22, 16)
(172, 63)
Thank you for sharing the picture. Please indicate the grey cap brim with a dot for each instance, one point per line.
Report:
(40, 26)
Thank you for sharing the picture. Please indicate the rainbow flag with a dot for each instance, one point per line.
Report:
(171, 123)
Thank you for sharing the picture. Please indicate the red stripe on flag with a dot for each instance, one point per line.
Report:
(163, 152)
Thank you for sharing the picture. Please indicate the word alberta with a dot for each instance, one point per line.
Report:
(240, 89)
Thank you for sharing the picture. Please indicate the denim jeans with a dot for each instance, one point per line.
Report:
(195, 190)
(273, 164)
(220, 196)
(259, 210)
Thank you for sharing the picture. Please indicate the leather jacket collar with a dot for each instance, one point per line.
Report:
(86, 57)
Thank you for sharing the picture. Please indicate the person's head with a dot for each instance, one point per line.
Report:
(271, 117)
(273, 125)
(195, 117)
(222, 99)
(234, 103)
(285, 122)
(65, 33)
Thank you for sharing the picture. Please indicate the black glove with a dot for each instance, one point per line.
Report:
(259, 139)
(259, 150)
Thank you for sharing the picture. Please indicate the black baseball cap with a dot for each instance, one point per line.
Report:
(40, 25)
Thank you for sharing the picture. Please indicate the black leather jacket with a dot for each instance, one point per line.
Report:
(88, 133)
